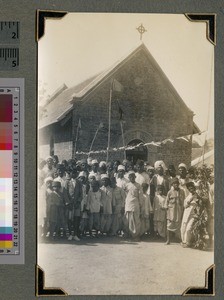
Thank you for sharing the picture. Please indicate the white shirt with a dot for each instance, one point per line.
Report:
(142, 178)
(94, 201)
(122, 182)
(134, 197)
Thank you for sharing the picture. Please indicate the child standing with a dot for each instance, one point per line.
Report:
(133, 205)
(48, 185)
(159, 212)
(146, 210)
(94, 206)
(69, 212)
(56, 206)
(174, 205)
(118, 213)
(74, 190)
(108, 204)
(84, 215)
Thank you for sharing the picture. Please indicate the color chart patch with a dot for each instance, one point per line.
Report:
(11, 205)
(6, 230)
(6, 163)
(5, 136)
(5, 108)
(5, 203)
(6, 156)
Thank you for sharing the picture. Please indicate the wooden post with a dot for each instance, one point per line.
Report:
(91, 146)
(109, 121)
(122, 133)
(74, 134)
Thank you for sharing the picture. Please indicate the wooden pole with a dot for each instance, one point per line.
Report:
(91, 146)
(109, 121)
(73, 134)
(76, 139)
(122, 133)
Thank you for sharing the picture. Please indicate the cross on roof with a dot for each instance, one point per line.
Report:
(141, 29)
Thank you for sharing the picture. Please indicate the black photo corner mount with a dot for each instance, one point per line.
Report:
(42, 15)
(41, 290)
(208, 290)
(210, 19)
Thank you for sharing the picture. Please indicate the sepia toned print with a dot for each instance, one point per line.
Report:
(125, 154)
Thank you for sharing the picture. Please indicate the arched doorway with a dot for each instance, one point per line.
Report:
(140, 152)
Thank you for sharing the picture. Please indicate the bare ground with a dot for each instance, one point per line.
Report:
(113, 266)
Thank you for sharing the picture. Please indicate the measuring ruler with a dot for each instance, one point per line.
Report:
(9, 32)
(11, 173)
(9, 59)
(9, 55)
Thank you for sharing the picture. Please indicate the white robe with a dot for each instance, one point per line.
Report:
(188, 219)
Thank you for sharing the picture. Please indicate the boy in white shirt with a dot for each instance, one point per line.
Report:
(94, 205)
(108, 204)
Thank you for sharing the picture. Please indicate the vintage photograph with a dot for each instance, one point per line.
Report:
(125, 153)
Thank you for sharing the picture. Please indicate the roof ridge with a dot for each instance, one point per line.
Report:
(57, 92)
(107, 71)
(84, 88)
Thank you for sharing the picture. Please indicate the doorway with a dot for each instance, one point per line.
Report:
(140, 152)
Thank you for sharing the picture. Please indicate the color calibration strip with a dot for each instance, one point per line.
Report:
(6, 157)
(11, 206)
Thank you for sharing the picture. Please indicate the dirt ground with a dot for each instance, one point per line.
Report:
(114, 266)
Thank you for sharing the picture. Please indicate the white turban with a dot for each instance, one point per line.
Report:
(104, 176)
(102, 163)
(121, 167)
(182, 165)
(94, 161)
(160, 163)
(131, 172)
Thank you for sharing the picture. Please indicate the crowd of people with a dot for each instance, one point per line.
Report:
(96, 199)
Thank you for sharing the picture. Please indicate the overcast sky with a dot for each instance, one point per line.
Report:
(80, 45)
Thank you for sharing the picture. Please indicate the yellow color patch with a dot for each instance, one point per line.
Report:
(6, 244)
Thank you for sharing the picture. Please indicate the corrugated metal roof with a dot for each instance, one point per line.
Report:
(61, 104)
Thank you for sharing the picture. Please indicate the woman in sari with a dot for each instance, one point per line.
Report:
(193, 228)
(190, 203)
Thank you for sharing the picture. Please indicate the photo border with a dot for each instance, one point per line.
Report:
(18, 282)
(209, 288)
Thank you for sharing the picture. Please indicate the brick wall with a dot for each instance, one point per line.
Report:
(176, 153)
(63, 150)
(152, 111)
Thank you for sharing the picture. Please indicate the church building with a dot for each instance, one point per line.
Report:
(133, 102)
